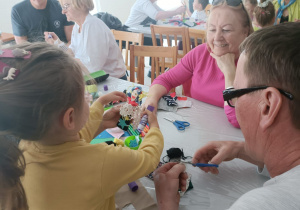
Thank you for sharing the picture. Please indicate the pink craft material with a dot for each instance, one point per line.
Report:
(8, 54)
(133, 186)
(115, 132)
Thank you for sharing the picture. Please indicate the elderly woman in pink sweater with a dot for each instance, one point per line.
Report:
(210, 68)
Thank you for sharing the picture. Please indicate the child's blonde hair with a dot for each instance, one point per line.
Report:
(49, 82)
(264, 13)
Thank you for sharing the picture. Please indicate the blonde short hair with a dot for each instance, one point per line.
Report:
(246, 20)
(80, 4)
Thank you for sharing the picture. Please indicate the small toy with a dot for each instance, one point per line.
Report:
(144, 120)
(105, 87)
(12, 73)
(133, 186)
(131, 111)
(119, 142)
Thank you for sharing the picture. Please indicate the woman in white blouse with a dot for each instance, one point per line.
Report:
(92, 41)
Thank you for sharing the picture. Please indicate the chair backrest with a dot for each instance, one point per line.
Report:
(195, 37)
(128, 38)
(158, 55)
(170, 33)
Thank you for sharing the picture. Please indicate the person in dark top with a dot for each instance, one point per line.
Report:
(30, 18)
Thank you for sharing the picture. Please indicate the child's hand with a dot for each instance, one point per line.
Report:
(113, 96)
(110, 118)
(50, 37)
(152, 119)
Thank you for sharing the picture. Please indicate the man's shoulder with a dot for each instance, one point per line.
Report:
(281, 194)
(21, 6)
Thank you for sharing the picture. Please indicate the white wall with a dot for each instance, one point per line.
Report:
(118, 8)
(5, 8)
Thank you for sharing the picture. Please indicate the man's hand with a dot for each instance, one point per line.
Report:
(168, 179)
(216, 152)
(50, 37)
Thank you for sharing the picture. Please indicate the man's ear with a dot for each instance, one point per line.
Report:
(69, 119)
(269, 107)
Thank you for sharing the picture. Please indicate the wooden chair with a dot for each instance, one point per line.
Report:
(128, 38)
(170, 33)
(195, 37)
(156, 53)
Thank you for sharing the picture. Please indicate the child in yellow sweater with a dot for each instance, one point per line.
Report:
(45, 104)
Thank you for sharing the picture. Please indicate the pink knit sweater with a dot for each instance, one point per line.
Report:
(201, 78)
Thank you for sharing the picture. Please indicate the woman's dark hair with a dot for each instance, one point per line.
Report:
(12, 166)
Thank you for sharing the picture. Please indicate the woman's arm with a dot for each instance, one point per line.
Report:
(171, 79)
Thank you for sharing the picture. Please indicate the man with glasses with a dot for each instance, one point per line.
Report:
(31, 18)
(266, 97)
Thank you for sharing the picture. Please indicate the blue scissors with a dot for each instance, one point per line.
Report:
(180, 125)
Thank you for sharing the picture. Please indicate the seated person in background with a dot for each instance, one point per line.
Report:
(12, 166)
(287, 11)
(191, 9)
(249, 6)
(92, 41)
(264, 15)
(30, 19)
(143, 9)
(269, 118)
(209, 68)
(199, 13)
(63, 170)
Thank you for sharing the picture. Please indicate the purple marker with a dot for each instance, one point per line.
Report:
(133, 186)
(144, 119)
(143, 123)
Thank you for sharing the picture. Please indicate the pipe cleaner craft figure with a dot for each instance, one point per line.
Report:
(131, 111)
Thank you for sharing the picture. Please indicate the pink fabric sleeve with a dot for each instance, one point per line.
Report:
(230, 113)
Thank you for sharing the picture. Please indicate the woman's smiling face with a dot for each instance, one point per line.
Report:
(225, 31)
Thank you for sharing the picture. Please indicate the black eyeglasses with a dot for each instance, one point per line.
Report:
(230, 95)
(233, 3)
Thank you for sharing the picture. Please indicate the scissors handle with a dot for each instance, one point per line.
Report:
(205, 165)
(181, 124)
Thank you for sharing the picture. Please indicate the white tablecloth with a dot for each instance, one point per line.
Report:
(208, 123)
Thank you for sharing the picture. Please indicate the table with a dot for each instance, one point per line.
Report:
(6, 37)
(211, 192)
(147, 31)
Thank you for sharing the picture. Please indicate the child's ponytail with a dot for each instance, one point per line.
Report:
(264, 13)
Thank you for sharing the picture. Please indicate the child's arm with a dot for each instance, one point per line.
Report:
(123, 165)
(98, 122)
